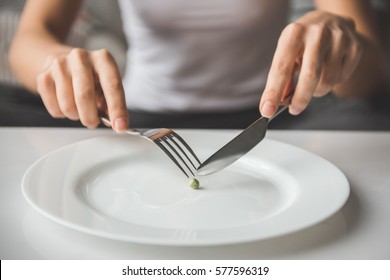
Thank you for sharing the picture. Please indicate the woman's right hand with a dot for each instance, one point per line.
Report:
(82, 84)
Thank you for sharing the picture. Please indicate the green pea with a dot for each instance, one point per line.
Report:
(194, 183)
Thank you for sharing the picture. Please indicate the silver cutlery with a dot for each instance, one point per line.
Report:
(238, 146)
(172, 144)
(177, 149)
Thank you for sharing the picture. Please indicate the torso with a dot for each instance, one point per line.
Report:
(199, 55)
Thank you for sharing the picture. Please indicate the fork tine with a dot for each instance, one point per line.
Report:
(172, 138)
(184, 143)
(169, 154)
(165, 140)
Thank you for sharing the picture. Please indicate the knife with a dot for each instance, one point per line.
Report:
(240, 145)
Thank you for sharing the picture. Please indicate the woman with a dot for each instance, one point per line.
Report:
(199, 57)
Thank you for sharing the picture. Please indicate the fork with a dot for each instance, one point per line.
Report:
(171, 143)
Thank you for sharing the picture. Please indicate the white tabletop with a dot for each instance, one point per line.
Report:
(360, 230)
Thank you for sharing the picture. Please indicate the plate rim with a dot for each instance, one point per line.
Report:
(177, 242)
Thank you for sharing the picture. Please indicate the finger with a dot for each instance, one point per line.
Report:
(111, 84)
(47, 92)
(312, 62)
(350, 60)
(84, 88)
(282, 68)
(64, 89)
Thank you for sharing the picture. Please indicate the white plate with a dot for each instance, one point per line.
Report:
(125, 188)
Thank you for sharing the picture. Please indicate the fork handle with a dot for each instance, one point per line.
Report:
(106, 121)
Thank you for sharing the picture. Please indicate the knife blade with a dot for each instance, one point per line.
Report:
(238, 146)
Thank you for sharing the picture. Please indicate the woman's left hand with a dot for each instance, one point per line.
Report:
(323, 49)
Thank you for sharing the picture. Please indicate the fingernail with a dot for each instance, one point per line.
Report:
(268, 109)
(293, 110)
(120, 125)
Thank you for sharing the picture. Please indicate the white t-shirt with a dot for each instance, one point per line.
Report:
(199, 56)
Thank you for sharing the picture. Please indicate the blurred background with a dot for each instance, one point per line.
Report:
(99, 26)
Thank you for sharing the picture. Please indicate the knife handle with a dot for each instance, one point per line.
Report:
(286, 97)
(288, 91)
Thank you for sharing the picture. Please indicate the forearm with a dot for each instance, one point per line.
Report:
(43, 27)
(31, 53)
(369, 75)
